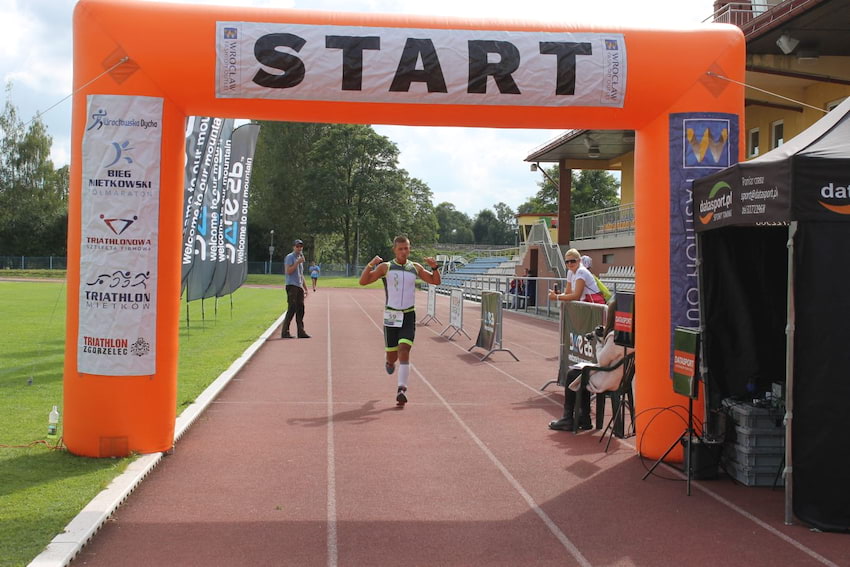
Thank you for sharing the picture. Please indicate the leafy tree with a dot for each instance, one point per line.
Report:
(507, 224)
(455, 227)
(485, 228)
(546, 199)
(33, 194)
(281, 198)
(592, 189)
(418, 217)
(358, 188)
(337, 187)
(495, 228)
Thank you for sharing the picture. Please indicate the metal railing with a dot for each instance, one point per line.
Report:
(741, 13)
(535, 302)
(602, 223)
(33, 263)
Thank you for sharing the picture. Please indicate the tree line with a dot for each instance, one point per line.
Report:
(33, 193)
(336, 186)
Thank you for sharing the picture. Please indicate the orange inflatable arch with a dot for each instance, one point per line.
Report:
(340, 68)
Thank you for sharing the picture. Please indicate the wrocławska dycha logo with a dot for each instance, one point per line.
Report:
(718, 205)
(836, 192)
(100, 118)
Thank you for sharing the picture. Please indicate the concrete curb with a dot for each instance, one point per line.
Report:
(64, 547)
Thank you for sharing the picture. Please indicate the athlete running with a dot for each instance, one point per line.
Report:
(399, 277)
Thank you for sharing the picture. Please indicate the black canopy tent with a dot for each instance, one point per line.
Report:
(774, 245)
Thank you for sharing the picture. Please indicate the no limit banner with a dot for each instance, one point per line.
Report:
(455, 313)
(578, 319)
(431, 313)
(490, 330)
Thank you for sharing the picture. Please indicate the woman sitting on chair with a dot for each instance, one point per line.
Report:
(607, 355)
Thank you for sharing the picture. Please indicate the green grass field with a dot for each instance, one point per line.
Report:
(42, 489)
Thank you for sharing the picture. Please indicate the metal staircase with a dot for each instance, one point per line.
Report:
(539, 236)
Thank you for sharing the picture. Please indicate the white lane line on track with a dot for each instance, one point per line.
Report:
(732, 506)
(559, 535)
(333, 551)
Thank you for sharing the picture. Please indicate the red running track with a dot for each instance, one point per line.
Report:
(304, 459)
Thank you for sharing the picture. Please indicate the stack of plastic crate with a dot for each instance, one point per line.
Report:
(755, 452)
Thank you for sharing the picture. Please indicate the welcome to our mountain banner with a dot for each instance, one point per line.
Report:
(196, 144)
(234, 217)
(201, 242)
(200, 172)
(201, 284)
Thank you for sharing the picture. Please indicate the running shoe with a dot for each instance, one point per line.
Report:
(390, 368)
(401, 398)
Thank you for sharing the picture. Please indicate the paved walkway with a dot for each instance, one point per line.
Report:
(305, 460)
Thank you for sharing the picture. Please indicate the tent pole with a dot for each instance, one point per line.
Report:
(788, 473)
(707, 431)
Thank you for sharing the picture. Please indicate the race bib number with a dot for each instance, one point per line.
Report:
(393, 318)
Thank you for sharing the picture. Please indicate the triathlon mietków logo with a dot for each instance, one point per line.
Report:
(835, 192)
(718, 205)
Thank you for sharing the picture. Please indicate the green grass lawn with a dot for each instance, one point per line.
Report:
(39, 274)
(42, 489)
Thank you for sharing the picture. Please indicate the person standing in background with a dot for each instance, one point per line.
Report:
(314, 274)
(296, 291)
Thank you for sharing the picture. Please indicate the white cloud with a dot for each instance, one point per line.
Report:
(472, 168)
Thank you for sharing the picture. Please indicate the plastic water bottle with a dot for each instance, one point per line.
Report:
(53, 422)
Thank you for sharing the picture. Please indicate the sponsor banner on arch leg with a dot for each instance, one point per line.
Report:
(120, 228)
(701, 143)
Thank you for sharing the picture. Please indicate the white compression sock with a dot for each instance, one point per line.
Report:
(403, 373)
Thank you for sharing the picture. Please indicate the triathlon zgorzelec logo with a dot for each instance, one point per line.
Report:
(718, 206)
(836, 192)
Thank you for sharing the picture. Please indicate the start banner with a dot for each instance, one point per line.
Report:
(120, 233)
(419, 66)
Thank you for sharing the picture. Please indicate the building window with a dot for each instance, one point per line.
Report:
(777, 134)
(753, 143)
(607, 258)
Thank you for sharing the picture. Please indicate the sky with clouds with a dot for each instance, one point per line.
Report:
(473, 168)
